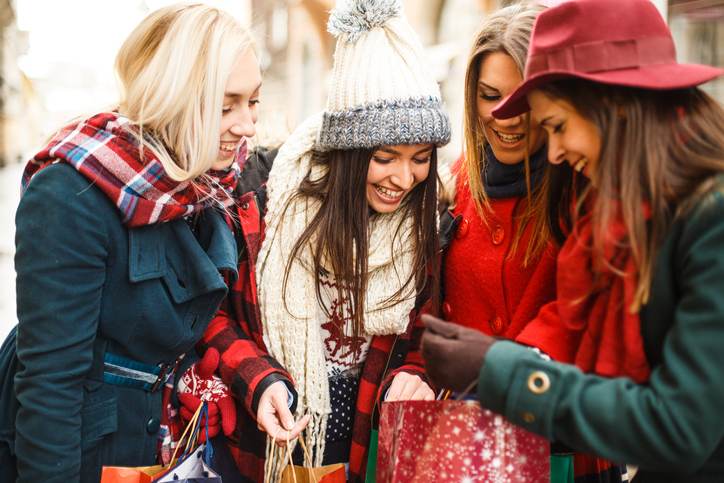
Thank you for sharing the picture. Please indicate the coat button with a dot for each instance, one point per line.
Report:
(528, 417)
(498, 235)
(538, 382)
(153, 425)
(447, 311)
(463, 228)
(245, 205)
(496, 325)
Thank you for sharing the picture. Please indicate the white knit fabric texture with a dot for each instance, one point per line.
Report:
(293, 336)
(386, 62)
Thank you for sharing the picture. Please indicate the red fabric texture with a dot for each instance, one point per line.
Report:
(601, 334)
(485, 288)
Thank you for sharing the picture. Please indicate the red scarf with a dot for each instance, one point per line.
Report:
(103, 150)
(602, 336)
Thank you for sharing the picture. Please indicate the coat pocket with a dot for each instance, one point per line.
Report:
(99, 416)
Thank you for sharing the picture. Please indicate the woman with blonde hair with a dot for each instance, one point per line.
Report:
(123, 234)
(638, 202)
(499, 268)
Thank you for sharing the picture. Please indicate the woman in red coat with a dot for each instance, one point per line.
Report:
(499, 269)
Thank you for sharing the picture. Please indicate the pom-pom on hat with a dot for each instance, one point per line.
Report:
(617, 42)
(381, 90)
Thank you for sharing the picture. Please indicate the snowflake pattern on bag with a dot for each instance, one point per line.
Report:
(456, 441)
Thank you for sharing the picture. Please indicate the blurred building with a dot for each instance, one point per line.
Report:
(20, 105)
(698, 28)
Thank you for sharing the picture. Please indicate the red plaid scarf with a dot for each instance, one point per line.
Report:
(103, 149)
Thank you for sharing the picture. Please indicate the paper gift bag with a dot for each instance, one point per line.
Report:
(424, 441)
(121, 474)
(191, 466)
(319, 474)
(191, 469)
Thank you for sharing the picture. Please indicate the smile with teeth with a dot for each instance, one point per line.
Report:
(508, 138)
(388, 193)
(580, 164)
(228, 147)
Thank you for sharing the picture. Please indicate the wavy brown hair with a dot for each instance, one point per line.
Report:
(659, 148)
(341, 227)
(508, 31)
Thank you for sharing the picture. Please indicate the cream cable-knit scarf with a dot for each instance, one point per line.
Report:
(295, 339)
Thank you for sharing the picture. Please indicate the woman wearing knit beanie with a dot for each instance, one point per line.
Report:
(499, 268)
(349, 245)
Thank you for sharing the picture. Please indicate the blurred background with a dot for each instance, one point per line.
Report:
(56, 63)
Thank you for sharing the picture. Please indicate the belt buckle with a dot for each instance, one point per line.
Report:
(161, 377)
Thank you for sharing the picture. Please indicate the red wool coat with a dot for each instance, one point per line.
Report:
(486, 288)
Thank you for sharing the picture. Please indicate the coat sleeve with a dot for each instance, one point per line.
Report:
(245, 366)
(60, 260)
(670, 424)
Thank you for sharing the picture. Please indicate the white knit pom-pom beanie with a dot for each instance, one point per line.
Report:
(381, 90)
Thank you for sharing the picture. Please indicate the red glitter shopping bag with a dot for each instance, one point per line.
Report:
(424, 441)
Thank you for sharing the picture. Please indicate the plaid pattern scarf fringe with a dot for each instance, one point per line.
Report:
(104, 150)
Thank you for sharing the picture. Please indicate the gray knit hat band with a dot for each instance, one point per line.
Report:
(386, 123)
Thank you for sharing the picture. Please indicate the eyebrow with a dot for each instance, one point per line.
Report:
(236, 94)
(486, 86)
(394, 151)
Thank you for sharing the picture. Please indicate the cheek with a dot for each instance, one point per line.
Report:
(421, 172)
(485, 110)
(375, 173)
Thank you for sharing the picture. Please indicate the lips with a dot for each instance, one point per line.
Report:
(579, 165)
(507, 138)
(388, 195)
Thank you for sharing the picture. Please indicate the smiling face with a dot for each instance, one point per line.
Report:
(394, 171)
(498, 77)
(572, 138)
(239, 111)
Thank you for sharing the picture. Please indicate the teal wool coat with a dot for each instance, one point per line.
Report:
(87, 284)
(672, 427)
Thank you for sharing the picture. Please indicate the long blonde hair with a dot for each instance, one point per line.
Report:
(173, 70)
(508, 31)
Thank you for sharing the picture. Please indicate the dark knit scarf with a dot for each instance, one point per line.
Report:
(508, 180)
(103, 149)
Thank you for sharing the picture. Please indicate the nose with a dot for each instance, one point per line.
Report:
(244, 124)
(556, 153)
(510, 122)
(403, 177)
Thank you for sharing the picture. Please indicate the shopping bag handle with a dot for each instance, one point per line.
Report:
(189, 439)
(288, 457)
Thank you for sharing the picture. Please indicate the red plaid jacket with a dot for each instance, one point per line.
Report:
(245, 366)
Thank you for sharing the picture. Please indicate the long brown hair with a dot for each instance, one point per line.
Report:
(340, 228)
(508, 31)
(660, 149)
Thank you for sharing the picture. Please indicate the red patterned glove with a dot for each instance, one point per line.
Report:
(198, 384)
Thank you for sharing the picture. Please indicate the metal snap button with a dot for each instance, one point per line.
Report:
(538, 382)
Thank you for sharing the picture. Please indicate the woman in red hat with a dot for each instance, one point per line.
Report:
(637, 198)
(499, 267)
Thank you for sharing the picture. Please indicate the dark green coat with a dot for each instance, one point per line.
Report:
(85, 284)
(673, 427)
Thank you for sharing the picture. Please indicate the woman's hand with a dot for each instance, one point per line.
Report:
(409, 387)
(453, 354)
(274, 417)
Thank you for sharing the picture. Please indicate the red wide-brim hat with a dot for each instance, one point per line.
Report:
(618, 42)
